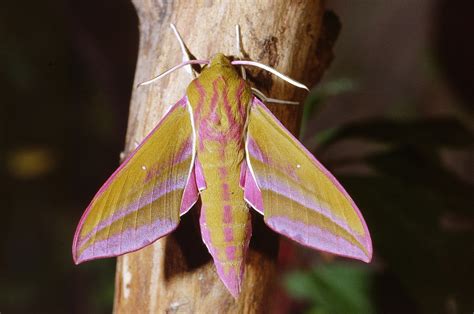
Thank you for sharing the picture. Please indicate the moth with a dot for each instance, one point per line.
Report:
(221, 144)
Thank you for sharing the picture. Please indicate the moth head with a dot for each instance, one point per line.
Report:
(220, 59)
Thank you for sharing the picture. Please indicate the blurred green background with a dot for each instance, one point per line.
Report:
(392, 119)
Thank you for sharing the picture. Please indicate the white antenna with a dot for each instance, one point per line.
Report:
(176, 67)
(271, 70)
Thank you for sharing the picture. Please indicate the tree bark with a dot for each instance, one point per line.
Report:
(176, 273)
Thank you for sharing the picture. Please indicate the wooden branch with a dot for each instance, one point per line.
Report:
(176, 273)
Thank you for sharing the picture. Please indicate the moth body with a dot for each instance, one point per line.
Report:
(219, 99)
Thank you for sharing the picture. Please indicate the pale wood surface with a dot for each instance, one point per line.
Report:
(176, 274)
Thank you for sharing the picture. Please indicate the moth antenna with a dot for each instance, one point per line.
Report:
(240, 49)
(176, 67)
(271, 70)
(185, 51)
(263, 97)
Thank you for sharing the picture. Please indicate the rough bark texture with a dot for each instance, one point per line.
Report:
(176, 273)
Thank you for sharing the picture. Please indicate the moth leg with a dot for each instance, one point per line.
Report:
(266, 99)
(187, 55)
(240, 49)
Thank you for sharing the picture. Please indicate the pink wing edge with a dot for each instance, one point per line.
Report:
(253, 194)
(187, 202)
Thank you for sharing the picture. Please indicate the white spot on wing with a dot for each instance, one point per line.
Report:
(298, 166)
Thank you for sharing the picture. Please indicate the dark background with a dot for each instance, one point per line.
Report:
(392, 119)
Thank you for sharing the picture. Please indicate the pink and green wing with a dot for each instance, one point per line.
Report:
(144, 198)
(298, 197)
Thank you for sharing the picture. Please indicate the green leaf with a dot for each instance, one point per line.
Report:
(333, 288)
